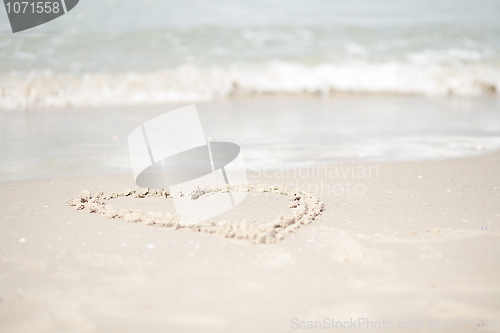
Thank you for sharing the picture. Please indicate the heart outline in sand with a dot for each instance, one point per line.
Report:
(307, 208)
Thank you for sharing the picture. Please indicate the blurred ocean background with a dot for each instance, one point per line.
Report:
(273, 76)
(124, 52)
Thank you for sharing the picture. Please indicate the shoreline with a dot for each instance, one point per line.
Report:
(326, 131)
(332, 95)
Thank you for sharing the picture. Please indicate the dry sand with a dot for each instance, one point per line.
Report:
(421, 242)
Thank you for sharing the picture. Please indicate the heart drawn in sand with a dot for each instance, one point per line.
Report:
(306, 207)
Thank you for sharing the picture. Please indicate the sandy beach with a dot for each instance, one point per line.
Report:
(420, 243)
(249, 166)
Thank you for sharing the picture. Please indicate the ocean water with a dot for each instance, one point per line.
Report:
(72, 90)
(274, 133)
(110, 52)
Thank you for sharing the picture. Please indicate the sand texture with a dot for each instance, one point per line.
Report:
(420, 242)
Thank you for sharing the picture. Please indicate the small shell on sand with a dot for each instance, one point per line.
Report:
(307, 208)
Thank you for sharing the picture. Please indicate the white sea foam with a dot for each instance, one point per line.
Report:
(150, 52)
(44, 90)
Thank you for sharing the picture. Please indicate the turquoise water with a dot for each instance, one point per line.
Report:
(145, 52)
(78, 85)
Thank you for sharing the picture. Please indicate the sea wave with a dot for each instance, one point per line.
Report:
(47, 90)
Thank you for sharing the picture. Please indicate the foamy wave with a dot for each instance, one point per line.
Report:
(188, 83)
